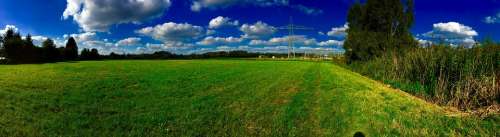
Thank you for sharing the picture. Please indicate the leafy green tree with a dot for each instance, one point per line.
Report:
(379, 27)
(71, 49)
(94, 53)
(49, 50)
(87, 54)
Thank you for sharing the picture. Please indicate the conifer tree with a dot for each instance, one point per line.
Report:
(71, 49)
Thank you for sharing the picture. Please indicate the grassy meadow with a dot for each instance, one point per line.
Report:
(216, 98)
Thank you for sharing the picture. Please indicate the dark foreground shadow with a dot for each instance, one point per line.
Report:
(359, 134)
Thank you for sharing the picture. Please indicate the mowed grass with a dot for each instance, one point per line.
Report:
(215, 98)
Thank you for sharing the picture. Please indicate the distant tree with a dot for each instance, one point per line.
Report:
(87, 54)
(29, 52)
(12, 43)
(379, 27)
(94, 54)
(61, 51)
(49, 51)
(28, 41)
(71, 49)
(113, 55)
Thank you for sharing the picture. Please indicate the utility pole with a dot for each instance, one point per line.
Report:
(291, 34)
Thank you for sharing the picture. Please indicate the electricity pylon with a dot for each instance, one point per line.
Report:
(291, 30)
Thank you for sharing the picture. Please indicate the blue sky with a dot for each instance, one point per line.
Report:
(183, 26)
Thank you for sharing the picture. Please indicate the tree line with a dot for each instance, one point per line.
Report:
(380, 45)
(16, 50)
(207, 55)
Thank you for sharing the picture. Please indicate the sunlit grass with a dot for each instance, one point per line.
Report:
(214, 98)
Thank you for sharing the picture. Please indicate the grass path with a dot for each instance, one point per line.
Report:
(215, 98)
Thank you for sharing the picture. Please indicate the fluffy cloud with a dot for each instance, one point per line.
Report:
(82, 37)
(224, 48)
(7, 27)
(96, 43)
(178, 44)
(172, 32)
(99, 15)
(452, 30)
(39, 38)
(214, 4)
(257, 30)
(453, 33)
(424, 43)
(331, 43)
(211, 32)
(492, 19)
(220, 41)
(132, 41)
(278, 41)
(220, 21)
(297, 39)
(339, 31)
(259, 43)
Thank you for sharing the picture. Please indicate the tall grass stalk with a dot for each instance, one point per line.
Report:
(467, 78)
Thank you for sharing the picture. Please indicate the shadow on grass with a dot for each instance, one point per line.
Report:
(359, 134)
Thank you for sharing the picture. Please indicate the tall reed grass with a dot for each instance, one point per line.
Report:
(467, 78)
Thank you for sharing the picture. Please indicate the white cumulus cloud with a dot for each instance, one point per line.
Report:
(173, 32)
(132, 41)
(492, 19)
(82, 37)
(220, 41)
(257, 30)
(338, 31)
(331, 43)
(280, 41)
(453, 33)
(423, 42)
(7, 27)
(99, 15)
(220, 21)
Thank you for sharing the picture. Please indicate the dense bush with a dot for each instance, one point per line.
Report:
(463, 77)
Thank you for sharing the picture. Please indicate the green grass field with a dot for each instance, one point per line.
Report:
(215, 98)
